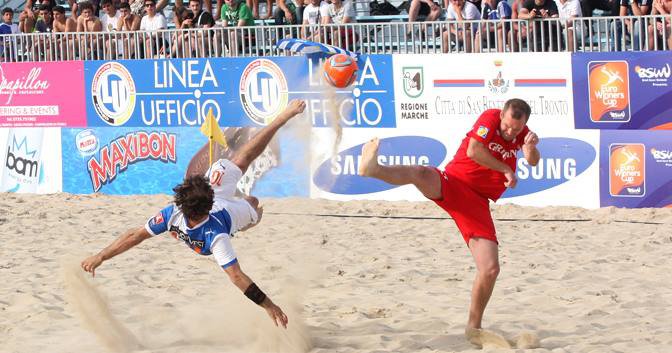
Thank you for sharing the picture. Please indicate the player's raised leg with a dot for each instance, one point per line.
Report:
(256, 145)
(426, 179)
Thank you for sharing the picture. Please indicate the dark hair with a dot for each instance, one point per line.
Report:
(85, 6)
(124, 5)
(59, 9)
(198, 1)
(105, 2)
(7, 9)
(194, 196)
(519, 108)
(44, 8)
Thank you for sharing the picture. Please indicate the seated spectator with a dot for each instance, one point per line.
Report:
(89, 46)
(426, 8)
(536, 11)
(150, 24)
(657, 28)
(192, 43)
(289, 12)
(254, 5)
(128, 22)
(110, 16)
(460, 33)
(64, 45)
(342, 12)
(314, 14)
(236, 13)
(8, 44)
(491, 35)
(568, 10)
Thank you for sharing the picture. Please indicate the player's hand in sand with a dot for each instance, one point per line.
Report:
(91, 263)
(276, 314)
(511, 179)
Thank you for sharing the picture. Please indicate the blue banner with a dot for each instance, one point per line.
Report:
(636, 168)
(241, 92)
(622, 90)
(125, 161)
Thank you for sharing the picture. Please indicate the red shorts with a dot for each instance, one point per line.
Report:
(469, 210)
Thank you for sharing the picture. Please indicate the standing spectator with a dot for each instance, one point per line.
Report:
(496, 33)
(537, 11)
(63, 43)
(314, 14)
(236, 13)
(568, 10)
(427, 8)
(340, 13)
(128, 22)
(8, 44)
(460, 11)
(289, 12)
(150, 24)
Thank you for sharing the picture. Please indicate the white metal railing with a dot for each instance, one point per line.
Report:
(580, 34)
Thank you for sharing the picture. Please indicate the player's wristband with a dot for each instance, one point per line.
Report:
(255, 294)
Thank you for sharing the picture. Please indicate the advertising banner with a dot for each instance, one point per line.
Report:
(636, 168)
(42, 94)
(127, 161)
(31, 160)
(623, 90)
(242, 92)
(451, 91)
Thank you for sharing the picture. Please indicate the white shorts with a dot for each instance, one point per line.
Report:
(224, 176)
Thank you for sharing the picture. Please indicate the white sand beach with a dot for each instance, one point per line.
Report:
(576, 280)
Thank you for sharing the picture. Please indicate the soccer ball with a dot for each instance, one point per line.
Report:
(340, 70)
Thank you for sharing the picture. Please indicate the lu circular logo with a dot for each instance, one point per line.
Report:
(263, 91)
(113, 93)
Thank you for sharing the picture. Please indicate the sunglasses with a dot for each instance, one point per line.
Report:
(149, 5)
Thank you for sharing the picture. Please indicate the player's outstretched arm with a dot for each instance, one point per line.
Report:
(245, 284)
(127, 240)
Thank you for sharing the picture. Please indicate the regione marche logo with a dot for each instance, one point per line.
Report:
(113, 93)
(413, 81)
(263, 91)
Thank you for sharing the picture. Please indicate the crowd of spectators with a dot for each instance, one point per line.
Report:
(118, 18)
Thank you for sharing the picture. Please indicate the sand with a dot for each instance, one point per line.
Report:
(572, 280)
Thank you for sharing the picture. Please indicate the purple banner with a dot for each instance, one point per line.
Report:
(636, 168)
(622, 90)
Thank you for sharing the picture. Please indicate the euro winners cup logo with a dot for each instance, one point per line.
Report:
(609, 90)
(627, 176)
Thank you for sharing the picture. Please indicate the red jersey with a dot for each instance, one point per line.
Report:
(485, 181)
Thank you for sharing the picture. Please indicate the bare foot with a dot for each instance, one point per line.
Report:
(369, 161)
(482, 338)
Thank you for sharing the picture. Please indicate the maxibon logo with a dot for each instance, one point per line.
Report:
(339, 174)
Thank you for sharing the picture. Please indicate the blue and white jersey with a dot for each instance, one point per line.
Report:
(228, 215)
(501, 11)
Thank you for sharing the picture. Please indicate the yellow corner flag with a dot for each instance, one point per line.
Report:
(211, 129)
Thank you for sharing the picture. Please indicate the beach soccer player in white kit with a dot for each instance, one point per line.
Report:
(205, 215)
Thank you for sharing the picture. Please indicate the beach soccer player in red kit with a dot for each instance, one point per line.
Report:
(483, 167)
